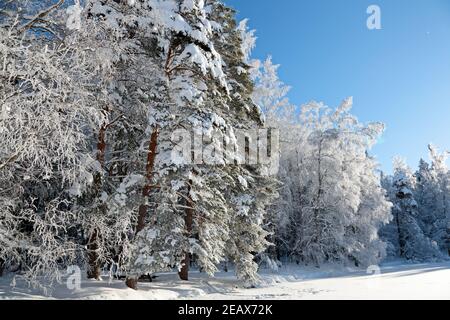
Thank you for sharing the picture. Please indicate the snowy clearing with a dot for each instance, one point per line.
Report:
(396, 281)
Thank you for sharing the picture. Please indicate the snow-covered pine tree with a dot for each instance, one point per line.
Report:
(432, 194)
(440, 179)
(389, 232)
(253, 188)
(197, 205)
(425, 193)
(413, 243)
(140, 95)
(149, 38)
(188, 216)
(270, 93)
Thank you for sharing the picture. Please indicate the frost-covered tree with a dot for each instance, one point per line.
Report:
(131, 139)
(253, 189)
(419, 230)
(98, 67)
(432, 194)
(187, 58)
(326, 174)
(426, 197)
(130, 74)
(40, 17)
(332, 194)
(413, 243)
(48, 114)
(271, 93)
(199, 210)
(122, 146)
(161, 64)
(373, 213)
(389, 233)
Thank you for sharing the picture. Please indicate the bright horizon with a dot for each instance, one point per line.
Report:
(399, 75)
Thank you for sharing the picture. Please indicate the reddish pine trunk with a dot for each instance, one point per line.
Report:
(132, 283)
(93, 245)
(151, 157)
(101, 145)
(143, 208)
(189, 219)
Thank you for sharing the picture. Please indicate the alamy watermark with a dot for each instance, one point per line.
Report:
(374, 19)
(239, 147)
(374, 281)
(73, 281)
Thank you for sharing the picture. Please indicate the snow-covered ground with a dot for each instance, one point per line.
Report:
(396, 281)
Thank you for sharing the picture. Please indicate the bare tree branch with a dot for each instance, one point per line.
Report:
(40, 16)
(10, 159)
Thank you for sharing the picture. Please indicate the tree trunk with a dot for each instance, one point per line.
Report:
(143, 208)
(189, 219)
(132, 283)
(93, 245)
(400, 238)
(318, 225)
(151, 157)
(2, 267)
(94, 271)
(184, 272)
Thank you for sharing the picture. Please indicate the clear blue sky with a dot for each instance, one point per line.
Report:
(399, 75)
